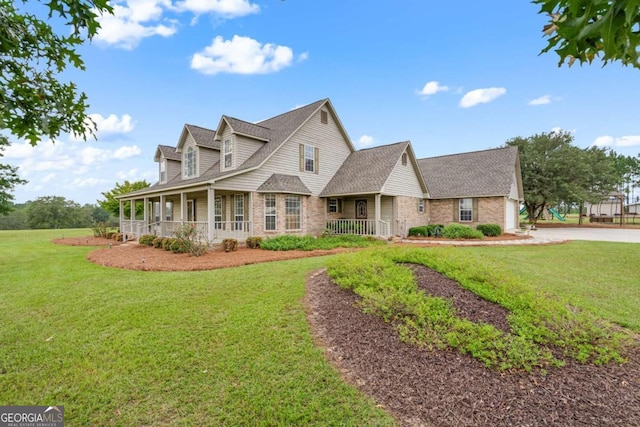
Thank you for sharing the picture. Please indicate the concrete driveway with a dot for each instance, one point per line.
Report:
(602, 234)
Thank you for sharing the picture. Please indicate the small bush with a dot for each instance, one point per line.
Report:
(459, 231)
(421, 231)
(230, 245)
(254, 242)
(435, 230)
(166, 243)
(99, 229)
(157, 242)
(490, 230)
(146, 239)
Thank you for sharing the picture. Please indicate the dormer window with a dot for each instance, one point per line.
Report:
(163, 171)
(189, 163)
(227, 150)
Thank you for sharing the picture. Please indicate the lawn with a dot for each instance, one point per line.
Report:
(223, 347)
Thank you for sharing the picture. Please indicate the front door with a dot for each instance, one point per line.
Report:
(361, 209)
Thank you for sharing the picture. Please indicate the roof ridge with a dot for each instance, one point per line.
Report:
(247, 122)
(382, 146)
(199, 127)
(466, 152)
(291, 111)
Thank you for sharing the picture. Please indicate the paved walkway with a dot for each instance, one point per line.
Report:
(543, 236)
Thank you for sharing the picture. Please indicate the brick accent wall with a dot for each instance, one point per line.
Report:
(312, 218)
(491, 210)
(408, 215)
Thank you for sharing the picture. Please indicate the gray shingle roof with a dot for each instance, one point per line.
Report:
(246, 128)
(475, 174)
(169, 152)
(280, 183)
(203, 137)
(365, 171)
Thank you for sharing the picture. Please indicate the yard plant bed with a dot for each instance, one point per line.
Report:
(134, 256)
(445, 388)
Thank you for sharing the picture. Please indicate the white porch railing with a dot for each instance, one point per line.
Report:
(239, 230)
(360, 227)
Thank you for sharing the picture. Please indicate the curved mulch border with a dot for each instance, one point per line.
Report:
(444, 388)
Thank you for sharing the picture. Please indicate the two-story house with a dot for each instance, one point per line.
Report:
(299, 173)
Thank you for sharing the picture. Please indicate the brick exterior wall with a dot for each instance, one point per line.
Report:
(491, 210)
(408, 215)
(312, 216)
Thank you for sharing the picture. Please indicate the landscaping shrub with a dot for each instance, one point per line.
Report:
(157, 242)
(191, 240)
(310, 243)
(459, 231)
(421, 231)
(254, 242)
(146, 239)
(99, 229)
(435, 230)
(230, 245)
(490, 230)
(166, 243)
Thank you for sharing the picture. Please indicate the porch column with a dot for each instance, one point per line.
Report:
(377, 204)
(211, 210)
(251, 213)
(146, 221)
(163, 213)
(121, 215)
(183, 207)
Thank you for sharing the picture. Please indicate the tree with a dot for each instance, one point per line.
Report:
(8, 180)
(56, 212)
(112, 205)
(582, 30)
(555, 171)
(35, 104)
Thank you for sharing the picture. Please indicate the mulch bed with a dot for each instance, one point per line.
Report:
(444, 388)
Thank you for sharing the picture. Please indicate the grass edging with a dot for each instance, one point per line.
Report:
(539, 323)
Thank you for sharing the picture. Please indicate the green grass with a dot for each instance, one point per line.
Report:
(540, 322)
(222, 347)
(117, 347)
(601, 277)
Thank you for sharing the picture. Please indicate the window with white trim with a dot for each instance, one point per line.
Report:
(466, 210)
(238, 211)
(168, 211)
(309, 158)
(189, 161)
(292, 212)
(270, 212)
(334, 206)
(227, 152)
(217, 212)
(163, 171)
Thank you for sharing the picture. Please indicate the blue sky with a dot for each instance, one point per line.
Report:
(449, 77)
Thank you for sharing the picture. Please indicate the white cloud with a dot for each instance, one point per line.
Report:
(126, 152)
(88, 182)
(623, 141)
(365, 141)
(432, 87)
(113, 124)
(481, 96)
(134, 21)
(544, 99)
(242, 55)
(224, 8)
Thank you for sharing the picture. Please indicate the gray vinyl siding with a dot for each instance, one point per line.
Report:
(173, 169)
(386, 208)
(245, 147)
(207, 157)
(403, 180)
(333, 151)
(513, 194)
(201, 206)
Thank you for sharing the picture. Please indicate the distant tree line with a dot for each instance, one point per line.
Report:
(54, 212)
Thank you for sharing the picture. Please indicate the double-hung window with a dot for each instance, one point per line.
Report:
(334, 206)
(466, 210)
(238, 208)
(292, 211)
(163, 171)
(309, 158)
(189, 163)
(217, 213)
(270, 212)
(227, 151)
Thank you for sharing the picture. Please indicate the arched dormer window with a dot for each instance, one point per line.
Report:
(189, 162)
